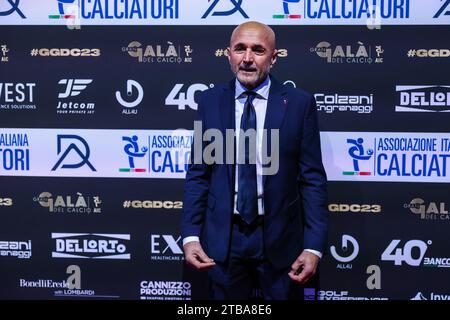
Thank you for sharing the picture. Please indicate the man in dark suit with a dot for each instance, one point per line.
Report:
(243, 224)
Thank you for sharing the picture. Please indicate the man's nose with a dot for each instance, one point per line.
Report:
(248, 56)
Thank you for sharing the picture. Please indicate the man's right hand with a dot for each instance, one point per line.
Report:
(196, 257)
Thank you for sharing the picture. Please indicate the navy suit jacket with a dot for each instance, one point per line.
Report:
(295, 214)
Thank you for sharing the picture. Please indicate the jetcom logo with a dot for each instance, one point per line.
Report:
(430, 98)
(116, 9)
(383, 156)
(344, 9)
(164, 154)
(91, 246)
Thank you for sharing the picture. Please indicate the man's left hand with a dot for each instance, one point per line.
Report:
(306, 263)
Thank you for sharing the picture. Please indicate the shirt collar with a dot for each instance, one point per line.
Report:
(262, 90)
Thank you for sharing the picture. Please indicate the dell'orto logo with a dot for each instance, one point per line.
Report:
(91, 245)
(287, 14)
(76, 141)
(443, 10)
(133, 89)
(237, 6)
(351, 252)
(133, 151)
(357, 153)
(14, 8)
(430, 98)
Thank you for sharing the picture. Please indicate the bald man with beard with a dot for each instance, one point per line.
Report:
(248, 227)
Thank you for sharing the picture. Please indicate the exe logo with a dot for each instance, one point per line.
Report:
(73, 147)
(14, 8)
(442, 9)
(237, 7)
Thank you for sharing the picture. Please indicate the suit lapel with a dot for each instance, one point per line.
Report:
(276, 110)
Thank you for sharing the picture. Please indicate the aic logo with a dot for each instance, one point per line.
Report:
(287, 14)
(185, 98)
(428, 211)
(14, 152)
(132, 86)
(19, 249)
(17, 96)
(90, 245)
(344, 103)
(360, 54)
(350, 254)
(165, 247)
(4, 49)
(357, 153)
(14, 8)
(69, 204)
(443, 10)
(84, 156)
(237, 6)
(73, 88)
(132, 151)
(430, 98)
(159, 53)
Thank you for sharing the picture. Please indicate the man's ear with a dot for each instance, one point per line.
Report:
(274, 57)
(227, 53)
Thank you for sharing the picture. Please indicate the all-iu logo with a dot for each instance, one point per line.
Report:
(132, 86)
(348, 54)
(72, 8)
(432, 98)
(357, 153)
(132, 151)
(350, 255)
(442, 9)
(73, 87)
(287, 14)
(237, 7)
(165, 247)
(84, 156)
(14, 8)
(90, 245)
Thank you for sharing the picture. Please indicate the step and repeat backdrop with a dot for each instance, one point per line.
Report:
(97, 102)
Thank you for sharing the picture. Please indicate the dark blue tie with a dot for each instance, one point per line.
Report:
(247, 198)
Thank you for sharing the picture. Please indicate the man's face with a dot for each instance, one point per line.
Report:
(251, 55)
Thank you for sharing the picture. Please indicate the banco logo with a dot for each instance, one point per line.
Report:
(169, 53)
(73, 88)
(357, 153)
(69, 204)
(133, 152)
(431, 98)
(177, 97)
(14, 8)
(17, 96)
(133, 89)
(443, 10)
(91, 245)
(165, 247)
(18, 249)
(428, 210)
(330, 103)
(236, 7)
(286, 13)
(14, 152)
(73, 148)
(350, 249)
(358, 54)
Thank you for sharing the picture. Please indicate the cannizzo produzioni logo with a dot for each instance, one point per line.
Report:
(167, 53)
(383, 156)
(14, 152)
(403, 253)
(330, 103)
(431, 98)
(152, 204)
(17, 96)
(359, 53)
(165, 247)
(428, 210)
(69, 204)
(73, 88)
(91, 245)
(65, 52)
(165, 290)
(18, 249)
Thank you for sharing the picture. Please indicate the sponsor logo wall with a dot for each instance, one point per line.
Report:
(96, 133)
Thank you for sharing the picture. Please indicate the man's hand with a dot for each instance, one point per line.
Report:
(304, 267)
(196, 257)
